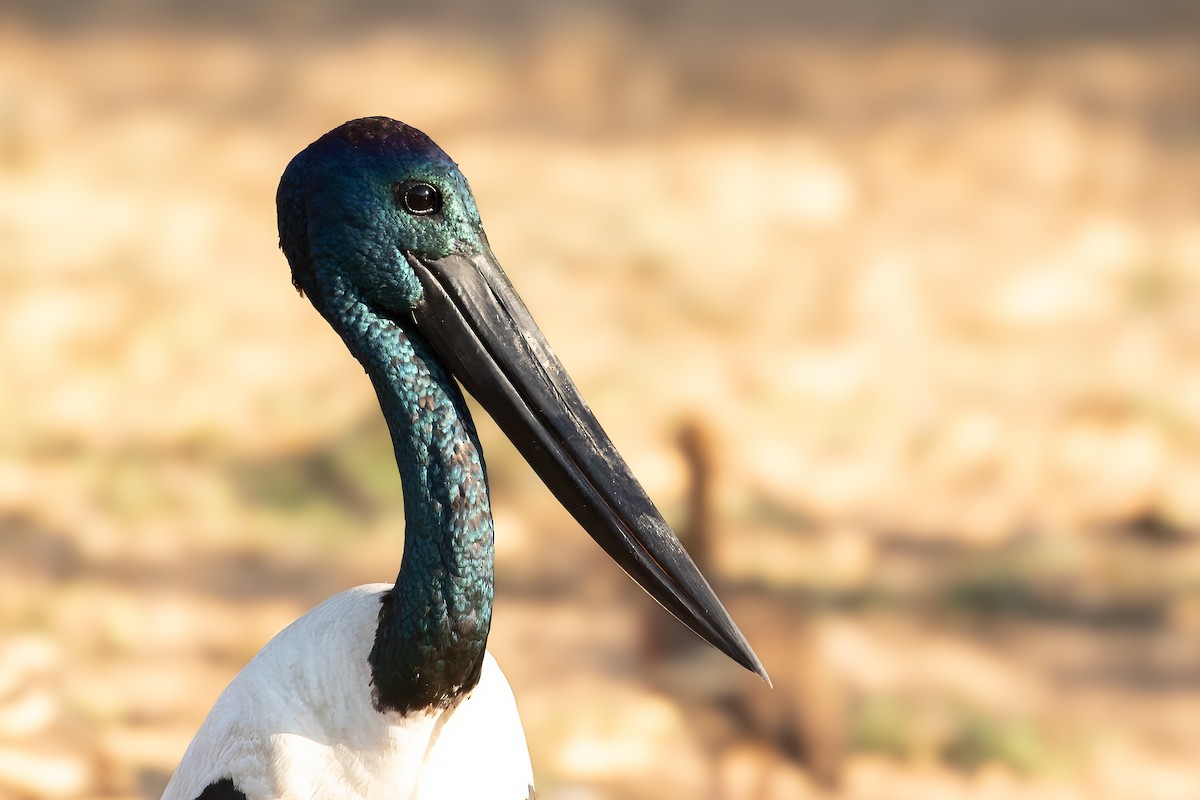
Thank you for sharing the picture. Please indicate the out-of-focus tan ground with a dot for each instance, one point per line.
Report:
(917, 304)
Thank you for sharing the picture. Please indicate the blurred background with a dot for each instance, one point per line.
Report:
(892, 306)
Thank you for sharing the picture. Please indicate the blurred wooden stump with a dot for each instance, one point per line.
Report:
(801, 720)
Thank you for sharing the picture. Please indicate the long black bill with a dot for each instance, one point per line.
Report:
(482, 331)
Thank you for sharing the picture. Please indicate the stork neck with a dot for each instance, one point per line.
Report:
(433, 624)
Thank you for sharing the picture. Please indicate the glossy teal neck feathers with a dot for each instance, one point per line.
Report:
(434, 624)
(343, 237)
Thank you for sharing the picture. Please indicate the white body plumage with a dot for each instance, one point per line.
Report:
(298, 722)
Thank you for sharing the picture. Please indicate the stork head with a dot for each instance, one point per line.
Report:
(375, 208)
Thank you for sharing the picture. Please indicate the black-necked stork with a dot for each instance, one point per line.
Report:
(387, 691)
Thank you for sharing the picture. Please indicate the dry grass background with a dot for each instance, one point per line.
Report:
(893, 308)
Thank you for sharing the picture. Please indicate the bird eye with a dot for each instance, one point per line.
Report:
(420, 198)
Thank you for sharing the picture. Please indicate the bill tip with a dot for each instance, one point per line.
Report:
(758, 669)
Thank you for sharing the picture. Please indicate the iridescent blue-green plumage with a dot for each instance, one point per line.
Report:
(341, 186)
(336, 203)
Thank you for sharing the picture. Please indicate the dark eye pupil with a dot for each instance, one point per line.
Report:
(421, 198)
